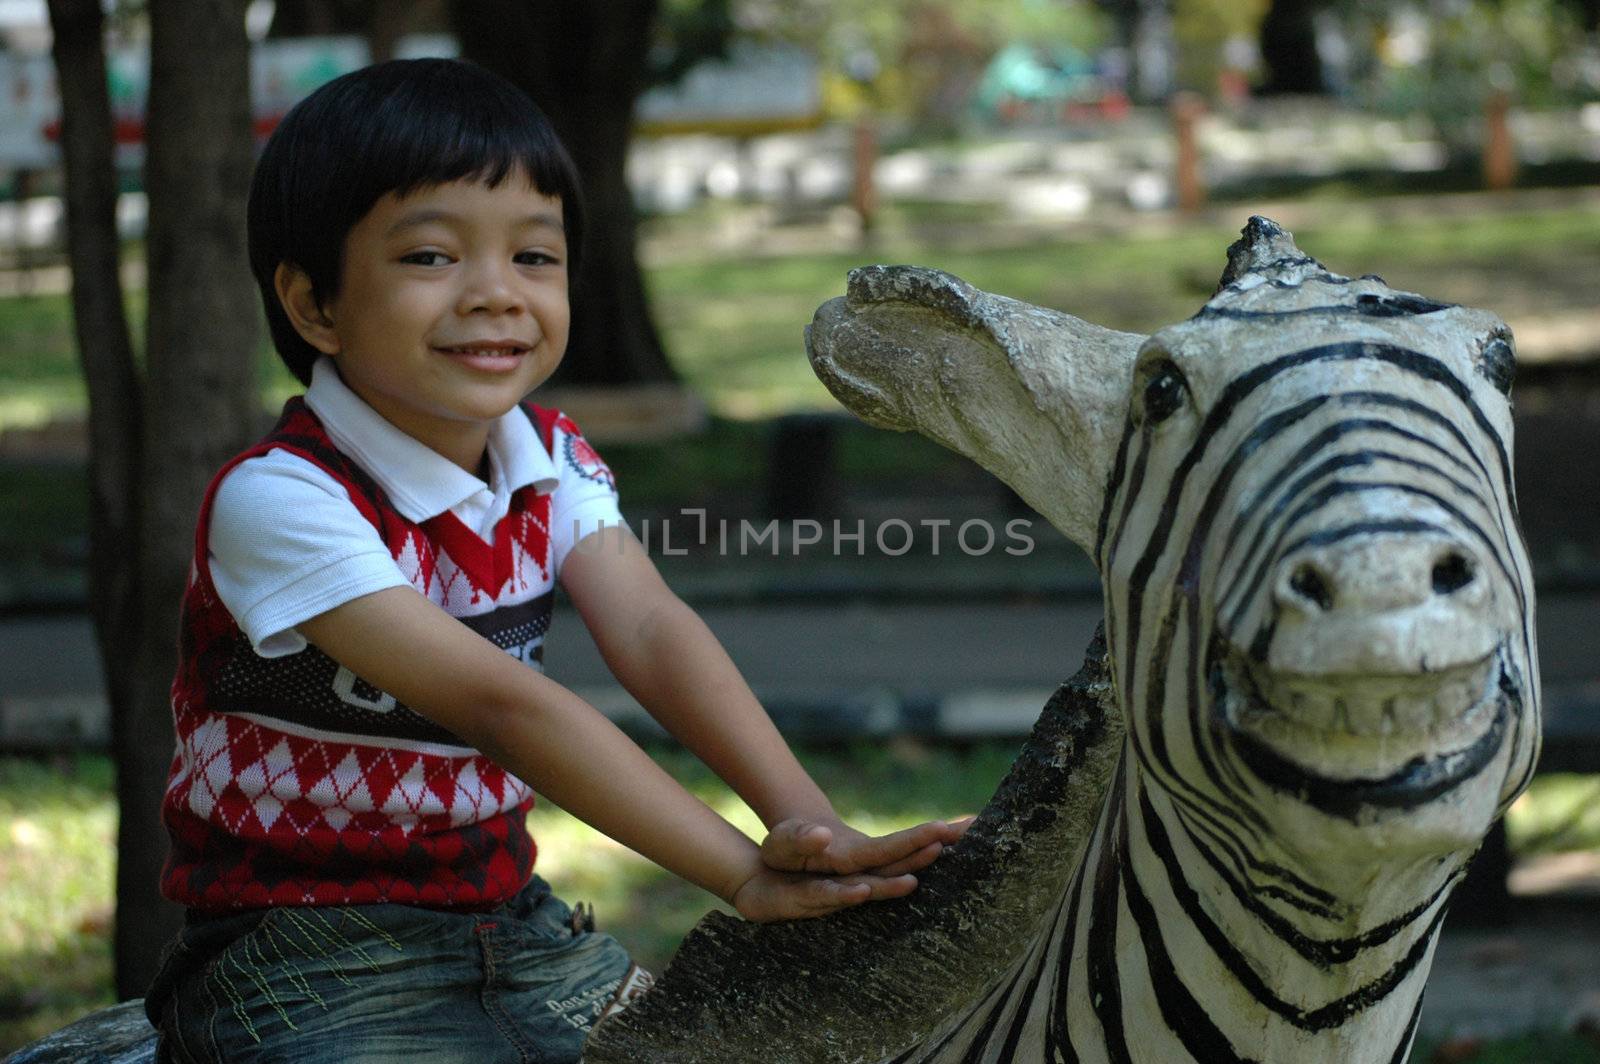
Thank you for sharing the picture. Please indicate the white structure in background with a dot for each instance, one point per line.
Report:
(281, 74)
(758, 88)
(728, 129)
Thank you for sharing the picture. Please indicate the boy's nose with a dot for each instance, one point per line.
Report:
(490, 289)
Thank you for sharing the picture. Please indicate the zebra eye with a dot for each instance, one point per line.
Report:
(1164, 391)
(1498, 363)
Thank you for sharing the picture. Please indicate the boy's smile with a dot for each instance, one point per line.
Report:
(452, 306)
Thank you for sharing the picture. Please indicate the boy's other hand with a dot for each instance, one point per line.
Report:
(773, 895)
(832, 847)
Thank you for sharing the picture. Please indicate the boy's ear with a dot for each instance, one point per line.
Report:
(299, 302)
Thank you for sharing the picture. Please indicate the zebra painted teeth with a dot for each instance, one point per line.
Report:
(1359, 727)
(1365, 716)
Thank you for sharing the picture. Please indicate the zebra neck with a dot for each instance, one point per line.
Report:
(1171, 930)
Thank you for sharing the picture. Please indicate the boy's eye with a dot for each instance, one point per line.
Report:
(424, 258)
(535, 258)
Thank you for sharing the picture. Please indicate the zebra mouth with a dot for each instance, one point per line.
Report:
(1343, 743)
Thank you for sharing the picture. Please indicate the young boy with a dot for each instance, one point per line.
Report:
(359, 729)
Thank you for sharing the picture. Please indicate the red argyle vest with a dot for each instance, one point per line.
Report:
(297, 783)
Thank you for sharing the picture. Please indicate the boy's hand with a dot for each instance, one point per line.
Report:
(773, 895)
(832, 847)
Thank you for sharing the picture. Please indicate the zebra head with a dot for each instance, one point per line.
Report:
(1318, 601)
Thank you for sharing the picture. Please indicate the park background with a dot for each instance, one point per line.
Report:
(741, 156)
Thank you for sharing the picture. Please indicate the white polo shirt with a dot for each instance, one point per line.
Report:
(286, 543)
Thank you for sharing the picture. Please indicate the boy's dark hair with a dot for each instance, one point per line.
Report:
(392, 127)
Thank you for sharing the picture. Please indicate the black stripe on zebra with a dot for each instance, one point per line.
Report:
(1245, 590)
(1105, 993)
(1324, 952)
(1402, 1049)
(1186, 1018)
(1343, 460)
(1333, 1013)
(1301, 897)
(1367, 305)
(1188, 586)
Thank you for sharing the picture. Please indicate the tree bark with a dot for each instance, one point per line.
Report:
(1289, 48)
(389, 22)
(585, 64)
(105, 349)
(382, 22)
(201, 404)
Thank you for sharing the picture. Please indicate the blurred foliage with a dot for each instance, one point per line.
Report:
(1206, 30)
(688, 32)
(917, 59)
(1562, 814)
(1443, 58)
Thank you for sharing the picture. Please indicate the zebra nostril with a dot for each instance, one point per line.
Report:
(1452, 572)
(1311, 585)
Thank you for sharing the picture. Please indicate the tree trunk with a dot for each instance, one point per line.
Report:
(105, 350)
(1289, 48)
(585, 64)
(202, 405)
(391, 19)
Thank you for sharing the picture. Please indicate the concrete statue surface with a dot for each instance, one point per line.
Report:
(1233, 836)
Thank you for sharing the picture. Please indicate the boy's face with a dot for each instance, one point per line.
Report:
(452, 307)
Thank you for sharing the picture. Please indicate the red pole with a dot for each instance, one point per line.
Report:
(1186, 111)
(1499, 150)
(863, 194)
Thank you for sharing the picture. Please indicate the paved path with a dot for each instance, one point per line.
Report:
(967, 669)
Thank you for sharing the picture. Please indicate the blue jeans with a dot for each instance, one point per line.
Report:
(376, 984)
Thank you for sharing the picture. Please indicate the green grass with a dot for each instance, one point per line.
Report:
(57, 839)
(1560, 814)
(1540, 1047)
(57, 848)
(734, 326)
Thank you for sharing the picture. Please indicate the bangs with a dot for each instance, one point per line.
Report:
(450, 123)
(391, 128)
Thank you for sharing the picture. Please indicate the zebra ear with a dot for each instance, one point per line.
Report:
(1054, 441)
(1266, 248)
(1034, 396)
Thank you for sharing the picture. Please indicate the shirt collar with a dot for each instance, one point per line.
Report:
(420, 482)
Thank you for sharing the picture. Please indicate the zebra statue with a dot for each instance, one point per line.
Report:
(1318, 632)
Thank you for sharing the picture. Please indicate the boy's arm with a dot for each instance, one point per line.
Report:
(669, 660)
(566, 750)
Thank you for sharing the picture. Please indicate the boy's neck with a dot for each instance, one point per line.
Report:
(470, 452)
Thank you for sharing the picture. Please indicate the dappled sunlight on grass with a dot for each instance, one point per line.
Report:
(57, 855)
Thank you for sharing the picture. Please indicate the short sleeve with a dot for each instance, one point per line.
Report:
(585, 499)
(286, 544)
